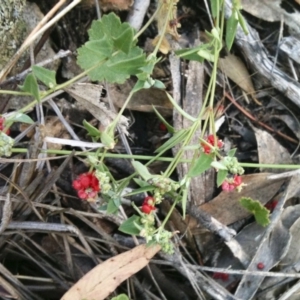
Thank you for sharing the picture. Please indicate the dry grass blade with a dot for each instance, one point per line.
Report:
(103, 279)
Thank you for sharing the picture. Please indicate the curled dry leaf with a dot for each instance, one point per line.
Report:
(226, 207)
(88, 95)
(100, 282)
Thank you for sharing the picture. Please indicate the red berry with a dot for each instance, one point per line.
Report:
(77, 185)
(237, 180)
(260, 266)
(147, 208)
(222, 276)
(162, 126)
(82, 194)
(149, 201)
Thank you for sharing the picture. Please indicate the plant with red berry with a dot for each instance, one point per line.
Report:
(211, 143)
(87, 186)
(148, 205)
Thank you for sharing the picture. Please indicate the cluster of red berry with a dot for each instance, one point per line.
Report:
(230, 184)
(148, 205)
(211, 140)
(222, 276)
(2, 125)
(87, 186)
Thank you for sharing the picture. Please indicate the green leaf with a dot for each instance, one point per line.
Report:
(184, 201)
(141, 170)
(218, 165)
(111, 51)
(242, 22)
(206, 54)
(231, 152)
(215, 7)
(120, 297)
(113, 206)
(179, 109)
(261, 214)
(221, 175)
(162, 119)
(178, 137)
(190, 54)
(45, 76)
(92, 131)
(20, 118)
(231, 27)
(30, 86)
(129, 227)
(107, 140)
(141, 182)
(148, 188)
(202, 164)
(124, 41)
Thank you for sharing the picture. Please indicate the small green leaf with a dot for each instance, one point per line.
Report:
(190, 54)
(179, 109)
(92, 131)
(45, 76)
(22, 118)
(215, 7)
(159, 85)
(242, 22)
(261, 214)
(231, 27)
(107, 140)
(129, 227)
(113, 206)
(231, 152)
(30, 86)
(178, 137)
(218, 165)
(142, 170)
(148, 188)
(120, 297)
(162, 119)
(221, 175)
(184, 200)
(141, 182)
(202, 164)
(206, 54)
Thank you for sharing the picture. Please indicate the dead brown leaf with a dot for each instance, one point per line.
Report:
(88, 95)
(143, 100)
(103, 279)
(226, 207)
(270, 151)
(234, 68)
